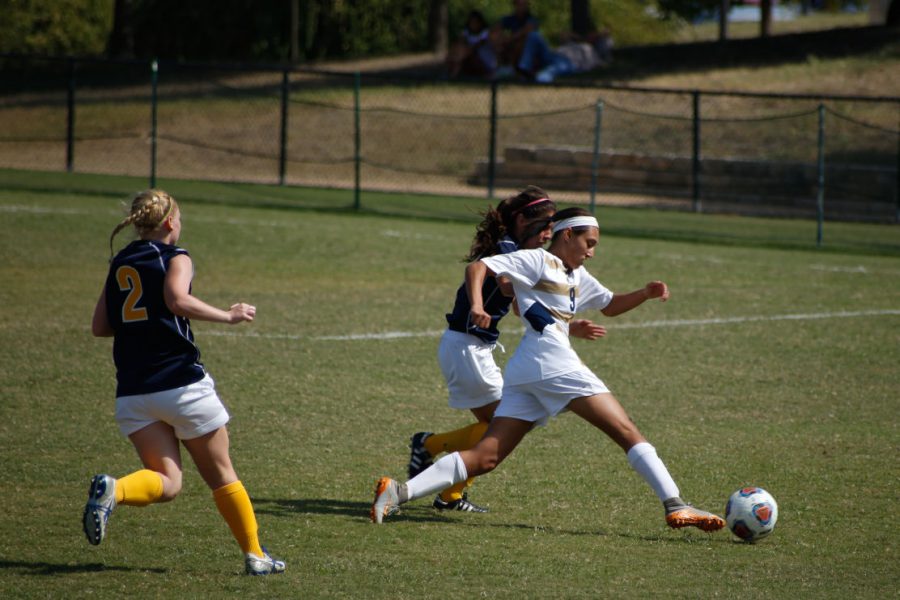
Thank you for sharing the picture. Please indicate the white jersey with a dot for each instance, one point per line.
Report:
(548, 296)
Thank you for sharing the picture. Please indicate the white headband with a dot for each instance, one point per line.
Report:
(576, 222)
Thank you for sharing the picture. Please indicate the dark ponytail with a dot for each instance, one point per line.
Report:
(532, 202)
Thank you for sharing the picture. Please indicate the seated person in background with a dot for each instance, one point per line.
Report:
(602, 41)
(472, 54)
(510, 34)
(575, 55)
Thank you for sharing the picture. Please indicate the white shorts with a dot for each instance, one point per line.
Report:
(473, 378)
(537, 401)
(192, 410)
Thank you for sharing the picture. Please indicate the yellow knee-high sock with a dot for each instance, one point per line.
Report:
(456, 440)
(234, 505)
(455, 492)
(139, 488)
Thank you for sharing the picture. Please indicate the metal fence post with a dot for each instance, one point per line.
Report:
(820, 199)
(595, 162)
(695, 169)
(492, 142)
(357, 141)
(70, 118)
(154, 82)
(282, 156)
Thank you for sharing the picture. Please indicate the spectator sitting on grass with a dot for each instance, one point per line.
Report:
(575, 55)
(472, 53)
(510, 34)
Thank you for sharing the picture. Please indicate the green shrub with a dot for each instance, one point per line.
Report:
(628, 20)
(55, 26)
(259, 29)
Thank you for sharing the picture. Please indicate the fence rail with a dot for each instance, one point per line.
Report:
(835, 157)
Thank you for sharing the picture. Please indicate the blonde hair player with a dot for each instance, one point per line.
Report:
(465, 354)
(164, 395)
(545, 376)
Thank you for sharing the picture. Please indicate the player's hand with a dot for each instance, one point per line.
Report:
(478, 317)
(241, 312)
(657, 289)
(587, 330)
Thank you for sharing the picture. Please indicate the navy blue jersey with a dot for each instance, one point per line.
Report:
(495, 303)
(512, 23)
(153, 348)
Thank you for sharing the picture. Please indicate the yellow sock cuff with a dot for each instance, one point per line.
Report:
(456, 440)
(234, 487)
(139, 488)
(454, 492)
(235, 507)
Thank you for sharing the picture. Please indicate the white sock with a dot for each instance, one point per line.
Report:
(446, 471)
(644, 460)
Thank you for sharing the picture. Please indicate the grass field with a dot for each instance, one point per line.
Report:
(816, 21)
(769, 366)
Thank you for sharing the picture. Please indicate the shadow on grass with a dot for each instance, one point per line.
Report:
(359, 511)
(329, 506)
(687, 537)
(45, 568)
(642, 61)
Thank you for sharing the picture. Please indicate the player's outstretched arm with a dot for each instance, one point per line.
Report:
(182, 303)
(622, 303)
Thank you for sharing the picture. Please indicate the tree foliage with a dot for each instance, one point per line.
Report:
(260, 29)
(209, 29)
(629, 20)
(243, 30)
(350, 29)
(51, 27)
(687, 9)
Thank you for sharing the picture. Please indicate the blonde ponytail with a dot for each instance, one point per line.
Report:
(149, 209)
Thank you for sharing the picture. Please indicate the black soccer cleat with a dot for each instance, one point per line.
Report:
(461, 504)
(419, 458)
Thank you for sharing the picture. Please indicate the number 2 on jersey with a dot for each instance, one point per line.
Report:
(130, 280)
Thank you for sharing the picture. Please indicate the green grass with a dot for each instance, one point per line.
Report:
(859, 238)
(804, 407)
(816, 21)
(860, 74)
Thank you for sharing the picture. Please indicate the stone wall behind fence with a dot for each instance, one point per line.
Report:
(855, 192)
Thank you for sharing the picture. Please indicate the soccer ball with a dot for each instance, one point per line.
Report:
(751, 513)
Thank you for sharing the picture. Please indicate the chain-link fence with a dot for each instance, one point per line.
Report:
(826, 157)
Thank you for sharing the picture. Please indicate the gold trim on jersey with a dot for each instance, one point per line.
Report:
(562, 316)
(554, 262)
(554, 287)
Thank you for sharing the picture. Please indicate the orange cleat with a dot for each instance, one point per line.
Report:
(689, 516)
(387, 499)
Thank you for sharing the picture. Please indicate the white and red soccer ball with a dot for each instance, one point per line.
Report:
(751, 513)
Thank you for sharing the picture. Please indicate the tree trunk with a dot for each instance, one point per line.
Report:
(295, 32)
(438, 26)
(724, 7)
(581, 17)
(765, 18)
(121, 38)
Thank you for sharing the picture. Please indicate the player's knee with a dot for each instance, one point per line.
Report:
(171, 488)
(628, 435)
(487, 461)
